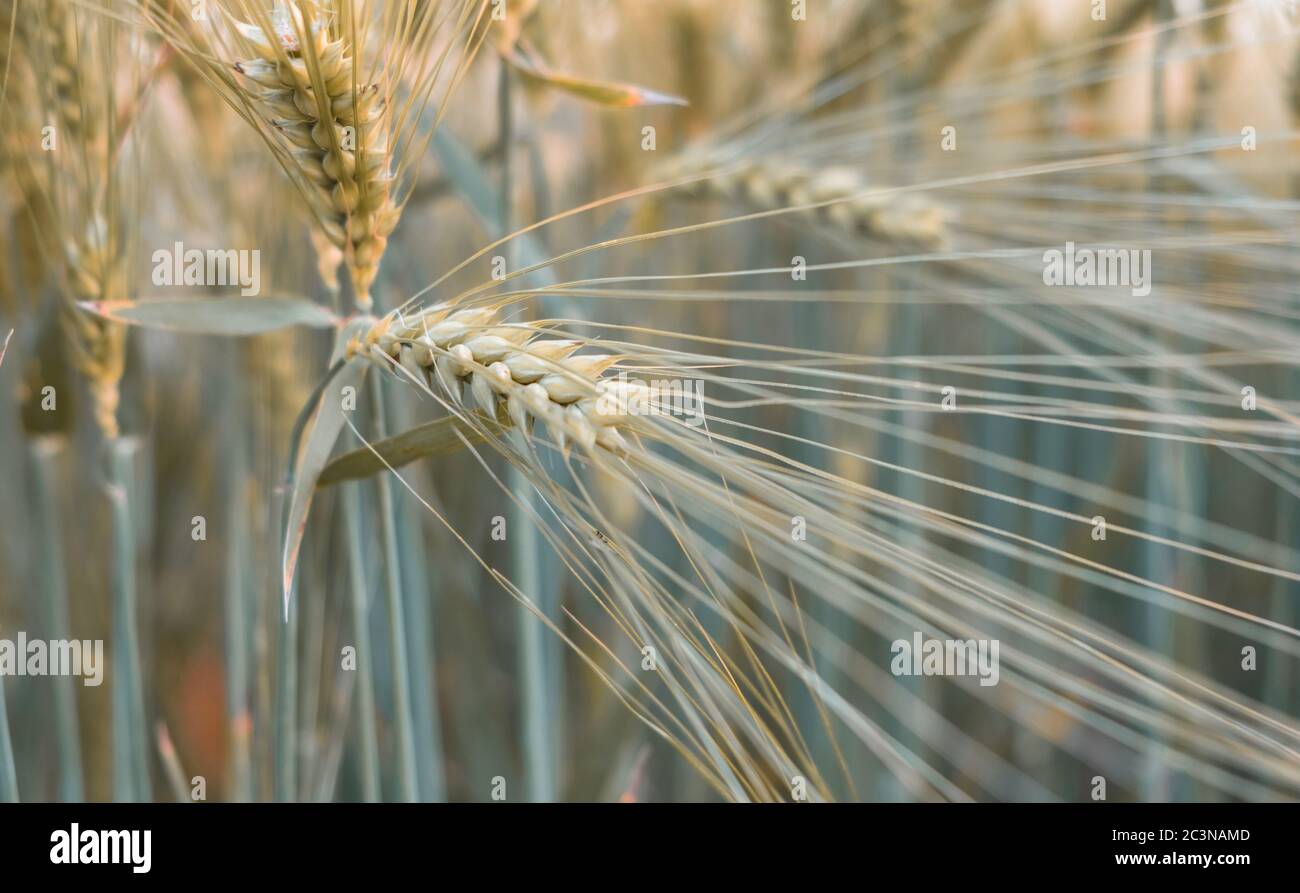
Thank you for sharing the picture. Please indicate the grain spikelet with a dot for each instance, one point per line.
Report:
(337, 131)
(843, 199)
(338, 105)
(510, 368)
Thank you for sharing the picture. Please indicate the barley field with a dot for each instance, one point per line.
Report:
(676, 401)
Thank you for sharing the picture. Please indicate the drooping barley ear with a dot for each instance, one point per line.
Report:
(515, 373)
(843, 199)
(510, 369)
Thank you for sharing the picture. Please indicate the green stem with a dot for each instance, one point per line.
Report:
(420, 645)
(8, 777)
(130, 732)
(238, 718)
(286, 712)
(539, 736)
(538, 676)
(54, 590)
(396, 625)
(1161, 482)
(361, 635)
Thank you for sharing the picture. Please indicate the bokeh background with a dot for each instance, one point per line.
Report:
(1144, 114)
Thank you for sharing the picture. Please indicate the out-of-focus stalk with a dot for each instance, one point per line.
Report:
(409, 785)
(130, 733)
(429, 763)
(361, 635)
(235, 471)
(286, 706)
(236, 644)
(1156, 565)
(8, 777)
(535, 673)
(54, 594)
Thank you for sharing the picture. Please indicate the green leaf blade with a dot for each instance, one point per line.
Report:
(216, 316)
(437, 438)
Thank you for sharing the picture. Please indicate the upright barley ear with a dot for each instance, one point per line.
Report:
(97, 272)
(337, 88)
(306, 82)
(74, 193)
(62, 49)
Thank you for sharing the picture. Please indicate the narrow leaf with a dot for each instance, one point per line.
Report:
(437, 438)
(606, 93)
(323, 430)
(216, 316)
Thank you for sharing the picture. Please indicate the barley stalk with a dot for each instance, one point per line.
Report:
(130, 729)
(397, 647)
(45, 454)
(358, 598)
(8, 777)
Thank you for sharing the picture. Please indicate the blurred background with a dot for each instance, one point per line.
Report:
(998, 129)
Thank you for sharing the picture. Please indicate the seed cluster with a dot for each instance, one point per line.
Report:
(336, 130)
(511, 368)
(771, 185)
